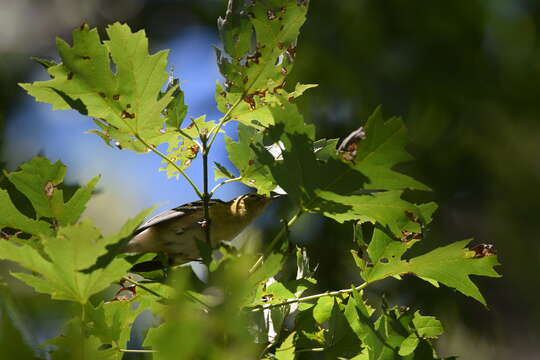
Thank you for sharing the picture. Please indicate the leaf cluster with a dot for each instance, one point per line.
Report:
(250, 304)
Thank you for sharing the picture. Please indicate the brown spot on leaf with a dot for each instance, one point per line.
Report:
(254, 58)
(49, 189)
(482, 250)
(284, 71)
(223, 93)
(102, 94)
(127, 115)
(384, 260)
(70, 75)
(194, 149)
(249, 99)
(410, 235)
(251, 162)
(116, 96)
(280, 45)
(280, 86)
(86, 57)
(292, 51)
(412, 216)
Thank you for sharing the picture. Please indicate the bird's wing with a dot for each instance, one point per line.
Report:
(175, 213)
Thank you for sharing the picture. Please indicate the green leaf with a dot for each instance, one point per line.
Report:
(113, 245)
(241, 154)
(39, 181)
(76, 205)
(43, 62)
(427, 326)
(177, 109)
(74, 248)
(325, 148)
(127, 99)
(341, 340)
(386, 208)
(270, 267)
(221, 171)
(286, 351)
(74, 344)
(300, 174)
(111, 322)
(450, 265)
(381, 150)
(11, 217)
(323, 309)
(408, 345)
(128, 106)
(17, 339)
(253, 74)
(182, 151)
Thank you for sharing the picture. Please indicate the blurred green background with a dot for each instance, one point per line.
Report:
(465, 76)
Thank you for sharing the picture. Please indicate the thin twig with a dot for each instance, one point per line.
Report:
(215, 131)
(310, 297)
(223, 183)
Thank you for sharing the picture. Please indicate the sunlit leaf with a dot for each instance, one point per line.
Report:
(451, 265)
(75, 247)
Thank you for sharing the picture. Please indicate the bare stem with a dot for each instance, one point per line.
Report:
(311, 297)
(206, 195)
(164, 157)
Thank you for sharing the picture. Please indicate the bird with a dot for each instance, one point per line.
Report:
(176, 232)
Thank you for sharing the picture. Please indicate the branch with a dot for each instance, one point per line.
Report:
(307, 298)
